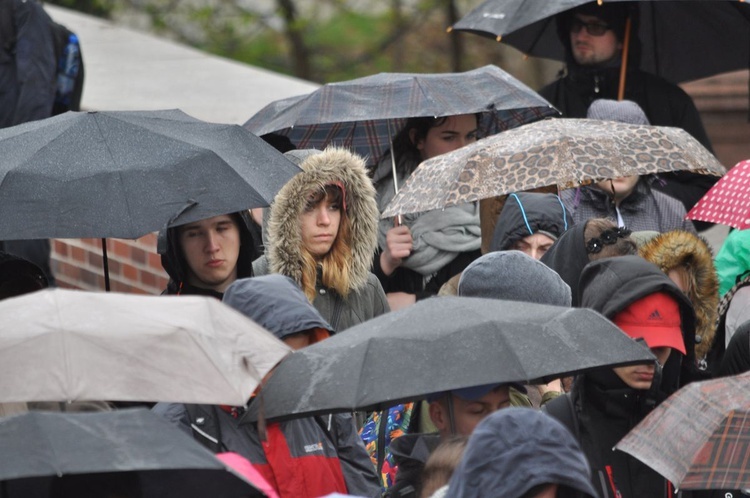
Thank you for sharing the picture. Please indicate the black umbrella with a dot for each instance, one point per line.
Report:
(125, 174)
(39, 447)
(680, 40)
(364, 113)
(442, 344)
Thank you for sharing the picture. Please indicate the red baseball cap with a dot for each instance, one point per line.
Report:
(656, 319)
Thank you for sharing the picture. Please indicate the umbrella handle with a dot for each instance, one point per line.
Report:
(393, 166)
(624, 63)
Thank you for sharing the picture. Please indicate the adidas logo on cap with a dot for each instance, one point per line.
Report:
(655, 315)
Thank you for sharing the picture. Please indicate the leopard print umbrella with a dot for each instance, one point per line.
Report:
(562, 152)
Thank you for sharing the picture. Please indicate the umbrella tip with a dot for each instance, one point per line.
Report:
(449, 29)
(498, 38)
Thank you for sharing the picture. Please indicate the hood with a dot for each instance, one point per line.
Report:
(19, 276)
(515, 449)
(680, 248)
(527, 213)
(567, 257)
(276, 303)
(610, 285)
(174, 262)
(332, 166)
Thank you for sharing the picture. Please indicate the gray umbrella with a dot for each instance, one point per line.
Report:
(124, 174)
(442, 344)
(39, 448)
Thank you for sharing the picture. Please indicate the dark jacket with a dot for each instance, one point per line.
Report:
(643, 209)
(664, 103)
(410, 453)
(516, 449)
(175, 265)
(737, 357)
(527, 213)
(567, 257)
(19, 276)
(28, 66)
(603, 407)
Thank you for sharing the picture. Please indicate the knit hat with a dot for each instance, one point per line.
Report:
(622, 111)
(514, 276)
(656, 319)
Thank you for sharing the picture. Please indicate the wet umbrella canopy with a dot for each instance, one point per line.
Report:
(679, 40)
(699, 438)
(358, 113)
(37, 447)
(64, 345)
(127, 173)
(562, 152)
(727, 202)
(441, 344)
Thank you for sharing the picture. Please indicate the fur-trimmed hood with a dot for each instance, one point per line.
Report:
(334, 165)
(678, 247)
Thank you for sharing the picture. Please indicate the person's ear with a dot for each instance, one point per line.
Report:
(418, 143)
(438, 416)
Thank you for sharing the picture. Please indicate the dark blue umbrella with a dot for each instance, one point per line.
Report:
(364, 113)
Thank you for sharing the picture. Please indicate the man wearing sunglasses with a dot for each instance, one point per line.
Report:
(593, 37)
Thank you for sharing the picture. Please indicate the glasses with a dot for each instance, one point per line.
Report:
(592, 28)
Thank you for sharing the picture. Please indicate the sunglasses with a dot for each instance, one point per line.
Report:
(592, 28)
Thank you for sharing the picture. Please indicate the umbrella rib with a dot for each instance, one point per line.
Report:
(119, 170)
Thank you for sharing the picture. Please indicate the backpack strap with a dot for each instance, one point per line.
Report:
(562, 409)
(204, 425)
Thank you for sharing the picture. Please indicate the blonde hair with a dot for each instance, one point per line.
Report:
(441, 464)
(334, 266)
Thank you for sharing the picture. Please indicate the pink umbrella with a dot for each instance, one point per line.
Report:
(727, 202)
(242, 466)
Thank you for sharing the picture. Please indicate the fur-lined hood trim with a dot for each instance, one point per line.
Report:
(678, 247)
(333, 165)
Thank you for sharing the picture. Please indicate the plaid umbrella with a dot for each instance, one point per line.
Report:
(680, 40)
(363, 113)
(699, 438)
(728, 202)
(563, 152)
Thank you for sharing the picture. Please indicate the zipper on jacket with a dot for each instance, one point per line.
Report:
(612, 484)
(596, 83)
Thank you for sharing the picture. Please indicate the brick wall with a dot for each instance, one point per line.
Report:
(134, 265)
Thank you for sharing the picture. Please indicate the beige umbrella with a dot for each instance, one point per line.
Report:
(562, 152)
(64, 345)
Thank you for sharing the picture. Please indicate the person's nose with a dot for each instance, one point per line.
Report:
(212, 242)
(323, 218)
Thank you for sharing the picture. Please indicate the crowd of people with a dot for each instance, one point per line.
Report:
(320, 260)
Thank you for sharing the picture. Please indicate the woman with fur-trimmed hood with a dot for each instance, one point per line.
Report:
(686, 258)
(322, 232)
